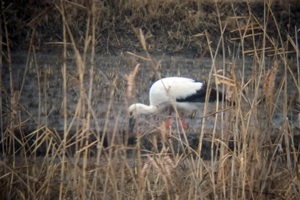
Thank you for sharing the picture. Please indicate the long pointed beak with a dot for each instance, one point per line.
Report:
(131, 123)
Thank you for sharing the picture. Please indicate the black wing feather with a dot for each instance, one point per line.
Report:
(200, 95)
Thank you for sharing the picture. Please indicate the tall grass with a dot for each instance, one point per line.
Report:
(252, 156)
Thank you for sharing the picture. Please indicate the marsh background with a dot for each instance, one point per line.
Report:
(68, 76)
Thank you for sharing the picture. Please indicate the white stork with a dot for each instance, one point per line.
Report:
(184, 93)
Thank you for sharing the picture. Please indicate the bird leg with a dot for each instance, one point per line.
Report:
(169, 120)
(184, 124)
(169, 123)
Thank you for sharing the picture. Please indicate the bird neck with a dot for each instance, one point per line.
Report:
(145, 109)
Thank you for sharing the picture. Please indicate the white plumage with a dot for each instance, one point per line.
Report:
(184, 93)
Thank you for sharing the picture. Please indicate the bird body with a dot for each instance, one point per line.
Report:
(184, 94)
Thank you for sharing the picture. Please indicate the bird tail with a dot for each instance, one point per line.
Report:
(216, 95)
(219, 96)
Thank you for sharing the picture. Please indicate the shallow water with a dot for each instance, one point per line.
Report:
(38, 80)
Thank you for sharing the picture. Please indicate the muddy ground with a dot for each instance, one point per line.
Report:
(176, 34)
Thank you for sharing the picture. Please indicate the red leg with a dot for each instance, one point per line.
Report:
(168, 123)
(184, 124)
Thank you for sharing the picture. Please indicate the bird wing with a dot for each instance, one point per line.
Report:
(200, 95)
(194, 96)
(172, 88)
(179, 89)
(194, 91)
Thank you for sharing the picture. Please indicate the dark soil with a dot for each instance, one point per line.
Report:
(170, 27)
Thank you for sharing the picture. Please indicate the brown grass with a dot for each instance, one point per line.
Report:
(251, 155)
(168, 26)
(269, 83)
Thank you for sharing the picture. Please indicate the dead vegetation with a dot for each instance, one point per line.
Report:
(250, 156)
(170, 27)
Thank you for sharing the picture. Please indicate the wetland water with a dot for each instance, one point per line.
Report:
(38, 82)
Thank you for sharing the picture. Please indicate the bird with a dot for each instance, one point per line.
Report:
(185, 94)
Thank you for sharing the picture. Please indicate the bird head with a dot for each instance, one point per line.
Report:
(133, 112)
(139, 109)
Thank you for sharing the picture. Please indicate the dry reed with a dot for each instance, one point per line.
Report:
(269, 83)
(248, 157)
